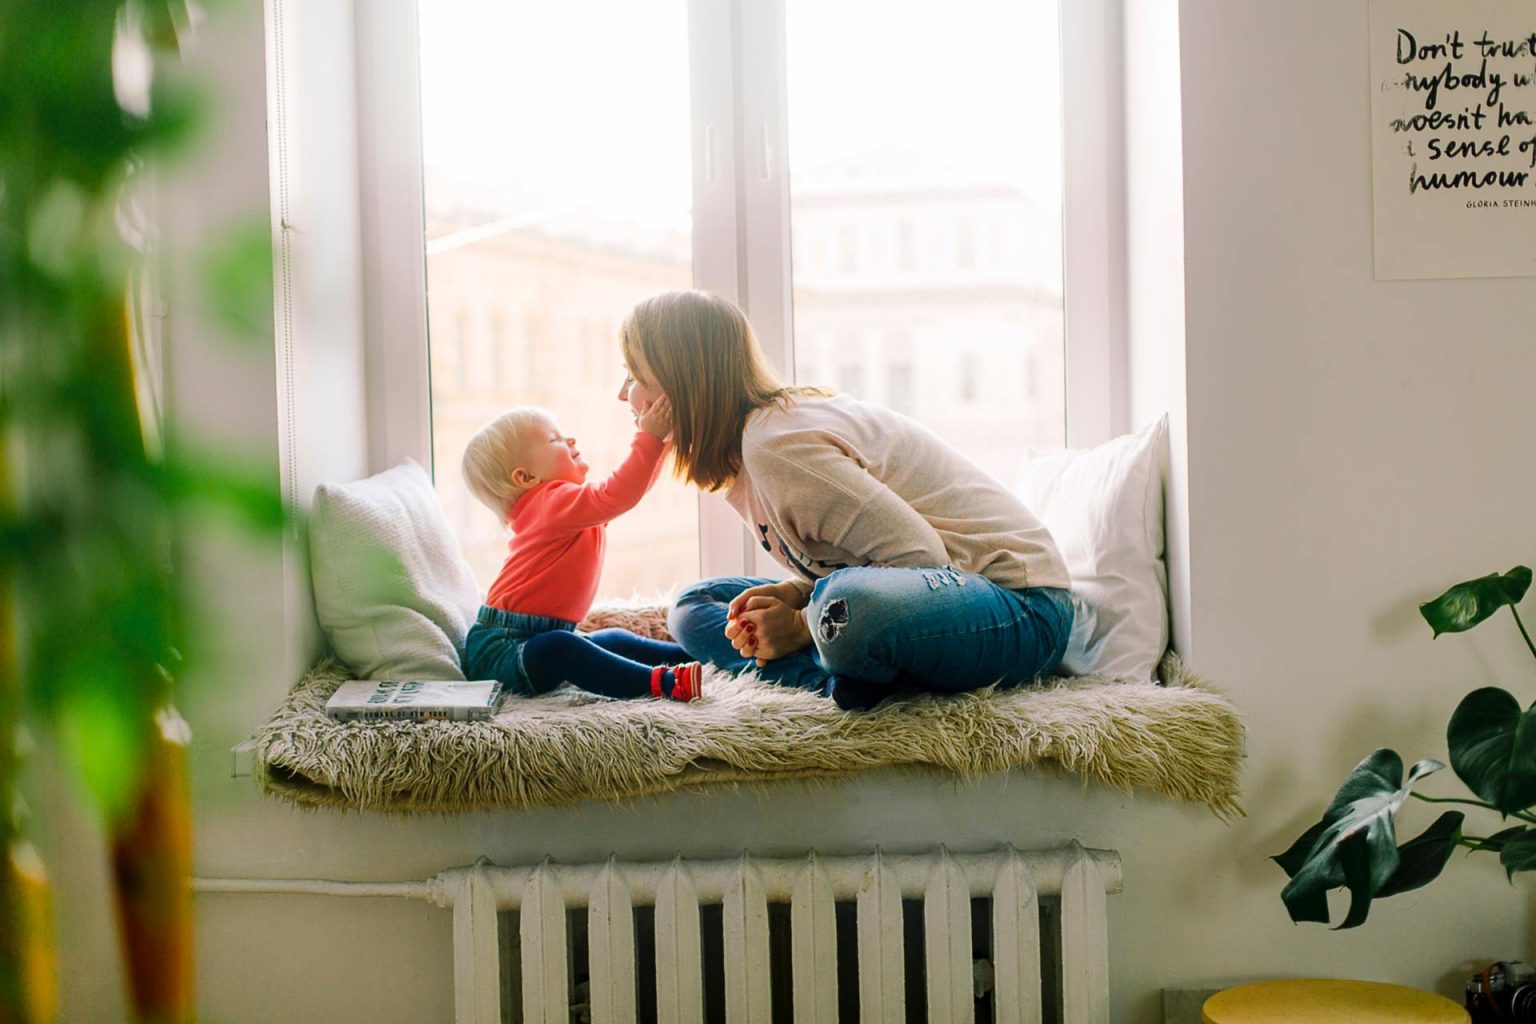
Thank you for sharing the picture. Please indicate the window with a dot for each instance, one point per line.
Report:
(556, 195)
(899, 392)
(968, 379)
(965, 245)
(501, 351)
(888, 147)
(458, 352)
(846, 181)
(850, 378)
(847, 249)
(906, 245)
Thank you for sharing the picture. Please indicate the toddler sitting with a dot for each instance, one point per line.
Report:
(527, 471)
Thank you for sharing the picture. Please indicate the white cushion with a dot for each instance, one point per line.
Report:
(394, 595)
(1104, 506)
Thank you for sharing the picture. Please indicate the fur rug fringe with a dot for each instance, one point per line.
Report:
(1181, 739)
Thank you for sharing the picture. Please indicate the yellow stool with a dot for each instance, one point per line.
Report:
(1329, 1001)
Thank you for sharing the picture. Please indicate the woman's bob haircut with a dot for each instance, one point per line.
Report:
(700, 351)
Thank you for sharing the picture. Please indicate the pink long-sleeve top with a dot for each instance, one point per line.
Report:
(559, 534)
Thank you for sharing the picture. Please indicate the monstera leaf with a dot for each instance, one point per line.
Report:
(1355, 844)
(1421, 859)
(1467, 604)
(1493, 748)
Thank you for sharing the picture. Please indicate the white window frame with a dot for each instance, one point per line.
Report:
(741, 247)
(397, 367)
(1094, 239)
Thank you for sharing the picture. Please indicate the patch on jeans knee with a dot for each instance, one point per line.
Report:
(936, 578)
(833, 618)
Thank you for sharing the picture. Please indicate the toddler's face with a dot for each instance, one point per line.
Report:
(639, 388)
(549, 455)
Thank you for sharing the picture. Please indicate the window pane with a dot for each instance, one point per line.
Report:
(925, 194)
(557, 192)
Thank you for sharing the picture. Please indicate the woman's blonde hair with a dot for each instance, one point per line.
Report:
(494, 452)
(705, 358)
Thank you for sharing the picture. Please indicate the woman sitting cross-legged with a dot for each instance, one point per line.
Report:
(911, 566)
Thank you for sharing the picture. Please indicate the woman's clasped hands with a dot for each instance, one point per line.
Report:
(768, 622)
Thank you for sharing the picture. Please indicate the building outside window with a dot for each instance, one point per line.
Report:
(561, 231)
(546, 227)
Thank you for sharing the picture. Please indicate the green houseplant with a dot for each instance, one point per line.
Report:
(95, 493)
(1492, 744)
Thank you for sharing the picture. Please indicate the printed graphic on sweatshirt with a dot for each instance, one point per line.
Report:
(807, 567)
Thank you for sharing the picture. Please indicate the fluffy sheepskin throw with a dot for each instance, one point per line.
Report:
(1181, 739)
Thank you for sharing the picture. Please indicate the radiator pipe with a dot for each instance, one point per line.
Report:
(316, 887)
(846, 873)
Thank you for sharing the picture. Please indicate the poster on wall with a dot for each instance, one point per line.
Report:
(1453, 124)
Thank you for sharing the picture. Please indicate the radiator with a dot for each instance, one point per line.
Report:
(532, 972)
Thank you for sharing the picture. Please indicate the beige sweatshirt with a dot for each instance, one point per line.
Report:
(834, 482)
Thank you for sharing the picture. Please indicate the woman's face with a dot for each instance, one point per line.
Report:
(639, 388)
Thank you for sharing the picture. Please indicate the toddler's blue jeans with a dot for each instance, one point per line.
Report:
(534, 654)
(875, 630)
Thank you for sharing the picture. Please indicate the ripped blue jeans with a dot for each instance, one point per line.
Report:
(938, 630)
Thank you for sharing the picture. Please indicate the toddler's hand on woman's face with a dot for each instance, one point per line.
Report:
(657, 418)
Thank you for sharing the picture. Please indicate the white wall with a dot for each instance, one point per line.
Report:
(1353, 446)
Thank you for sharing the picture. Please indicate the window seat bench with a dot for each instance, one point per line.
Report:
(1181, 739)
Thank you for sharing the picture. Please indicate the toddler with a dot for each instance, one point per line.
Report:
(527, 471)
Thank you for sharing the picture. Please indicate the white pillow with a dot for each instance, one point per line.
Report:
(394, 595)
(1104, 506)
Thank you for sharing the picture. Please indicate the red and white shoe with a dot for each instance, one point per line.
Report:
(687, 682)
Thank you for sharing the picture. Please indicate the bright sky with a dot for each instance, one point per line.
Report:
(586, 101)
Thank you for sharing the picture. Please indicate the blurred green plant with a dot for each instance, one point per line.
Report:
(1492, 743)
(93, 623)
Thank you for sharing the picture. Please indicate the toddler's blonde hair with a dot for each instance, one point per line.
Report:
(494, 452)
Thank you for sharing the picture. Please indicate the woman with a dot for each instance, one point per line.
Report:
(910, 566)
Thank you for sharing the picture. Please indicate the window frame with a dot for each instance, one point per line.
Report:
(741, 238)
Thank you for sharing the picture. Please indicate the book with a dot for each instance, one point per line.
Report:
(413, 700)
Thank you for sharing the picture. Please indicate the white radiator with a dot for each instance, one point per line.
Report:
(812, 885)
